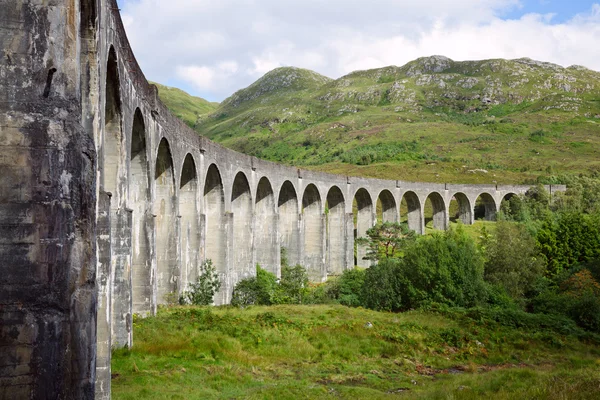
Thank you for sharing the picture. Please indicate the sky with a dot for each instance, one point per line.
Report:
(211, 48)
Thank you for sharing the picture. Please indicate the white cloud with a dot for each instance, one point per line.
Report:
(189, 39)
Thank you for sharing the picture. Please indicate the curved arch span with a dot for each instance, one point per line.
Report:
(314, 234)
(266, 242)
(387, 210)
(242, 213)
(336, 231)
(438, 210)
(414, 212)
(214, 232)
(363, 220)
(188, 211)
(289, 231)
(460, 209)
(485, 207)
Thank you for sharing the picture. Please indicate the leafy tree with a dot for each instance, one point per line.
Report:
(203, 290)
(513, 260)
(259, 289)
(293, 285)
(383, 287)
(349, 287)
(386, 240)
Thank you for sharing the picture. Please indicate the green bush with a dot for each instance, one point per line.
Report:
(350, 285)
(256, 290)
(203, 290)
(293, 285)
(382, 288)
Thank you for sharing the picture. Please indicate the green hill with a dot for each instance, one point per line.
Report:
(185, 106)
(433, 119)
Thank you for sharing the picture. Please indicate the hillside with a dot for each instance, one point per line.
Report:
(185, 106)
(433, 119)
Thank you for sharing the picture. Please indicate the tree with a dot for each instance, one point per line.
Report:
(513, 260)
(386, 240)
(207, 283)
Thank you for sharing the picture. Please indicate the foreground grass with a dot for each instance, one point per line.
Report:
(289, 352)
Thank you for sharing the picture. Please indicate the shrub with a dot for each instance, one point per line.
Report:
(293, 285)
(259, 289)
(382, 289)
(203, 290)
(349, 287)
(386, 240)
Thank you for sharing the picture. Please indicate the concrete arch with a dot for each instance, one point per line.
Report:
(139, 200)
(266, 235)
(388, 207)
(241, 208)
(289, 231)
(464, 212)
(439, 215)
(190, 229)
(336, 231)
(215, 226)
(167, 274)
(414, 212)
(485, 207)
(314, 234)
(363, 221)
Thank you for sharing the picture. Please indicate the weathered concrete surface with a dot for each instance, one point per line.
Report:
(109, 204)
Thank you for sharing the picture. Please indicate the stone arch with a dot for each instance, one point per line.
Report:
(113, 147)
(485, 207)
(363, 220)
(167, 275)
(188, 210)
(387, 210)
(215, 225)
(312, 218)
(510, 204)
(460, 209)
(414, 213)
(438, 210)
(241, 207)
(336, 231)
(266, 243)
(139, 199)
(287, 204)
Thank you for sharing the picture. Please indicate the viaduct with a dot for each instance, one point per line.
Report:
(108, 202)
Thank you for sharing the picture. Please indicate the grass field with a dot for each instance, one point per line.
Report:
(330, 351)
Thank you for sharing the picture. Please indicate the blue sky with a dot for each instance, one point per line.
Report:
(212, 48)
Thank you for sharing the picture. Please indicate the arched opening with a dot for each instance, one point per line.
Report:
(336, 231)
(241, 207)
(435, 211)
(386, 207)
(460, 209)
(362, 209)
(289, 223)
(512, 206)
(313, 233)
(113, 132)
(485, 207)
(139, 195)
(410, 212)
(164, 209)
(266, 242)
(215, 235)
(188, 210)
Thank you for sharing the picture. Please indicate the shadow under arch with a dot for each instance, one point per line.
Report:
(142, 224)
(336, 231)
(460, 209)
(435, 201)
(313, 233)
(190, 230)
(387, 210)
(362, 207)
(485, 207)
(287, 204)
(266, 242)
(167, 274)
(214, 232)
(241, 208)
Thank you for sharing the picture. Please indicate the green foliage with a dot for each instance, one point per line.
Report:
(293, 285)
(350, 286)
(383, 287)
(386, 240)
(203, 290)
(513, 261)
(259, 289)
(569, 238)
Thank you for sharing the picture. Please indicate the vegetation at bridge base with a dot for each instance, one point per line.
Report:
(510, 312)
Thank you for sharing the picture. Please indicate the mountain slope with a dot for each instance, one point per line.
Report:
(432, 119)
(185, 106)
